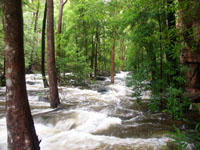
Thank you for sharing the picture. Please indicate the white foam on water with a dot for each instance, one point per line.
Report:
(60, 139)
(85, 121)
(36, 80)
(76, 132)
(3, 136)
(74, 140)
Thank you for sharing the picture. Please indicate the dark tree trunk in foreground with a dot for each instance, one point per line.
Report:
(20, 126)
(43, 48)
(113, 49)
(54, 97)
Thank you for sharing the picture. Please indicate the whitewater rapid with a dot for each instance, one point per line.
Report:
(90, 120)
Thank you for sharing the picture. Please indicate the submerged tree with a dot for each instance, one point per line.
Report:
(53, 87)
(20, 125)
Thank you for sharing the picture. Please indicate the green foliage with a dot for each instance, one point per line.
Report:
(140, 83)
(153, 55)
(75, 62)
(87, 26)
(174, 105)
(182, 139)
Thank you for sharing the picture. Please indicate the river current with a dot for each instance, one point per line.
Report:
(93, 120)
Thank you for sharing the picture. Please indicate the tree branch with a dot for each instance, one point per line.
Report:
(65, 2)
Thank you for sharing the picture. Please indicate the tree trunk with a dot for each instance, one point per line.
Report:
(92, 57)
(43, 48)
(189, 22)
(161, 51)
(62, 4)
(29, 70)
(113, 48)
(122, 50)
(96, 52)
(86, 40)
(20, 125)
(60, 24)
(54, 97)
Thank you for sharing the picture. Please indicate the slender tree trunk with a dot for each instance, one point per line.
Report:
(96, 51)
(43, 48)
(86, 40)
(20, 125)
(104, 46)
(62, 4)
(95, 60)
(161, 52)
(58, 50)
(92, 57)
(122, 49)
(60, 17)
(53, 87)
(29, 70)
(113, 48)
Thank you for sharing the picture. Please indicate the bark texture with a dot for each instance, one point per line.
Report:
(20, 126)
(54, 97)
(189, 23)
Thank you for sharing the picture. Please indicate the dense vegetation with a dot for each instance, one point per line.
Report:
(145, 37)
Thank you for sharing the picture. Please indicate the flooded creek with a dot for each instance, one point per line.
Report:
(92, 120)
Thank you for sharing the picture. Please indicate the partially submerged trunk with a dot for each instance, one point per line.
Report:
(20, 126)
(53, 87)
